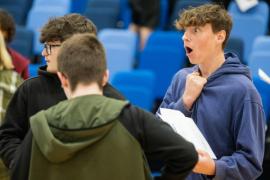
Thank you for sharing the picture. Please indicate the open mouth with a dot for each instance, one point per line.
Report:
(188, 49)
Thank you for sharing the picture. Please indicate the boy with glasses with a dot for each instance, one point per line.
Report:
(44, 91)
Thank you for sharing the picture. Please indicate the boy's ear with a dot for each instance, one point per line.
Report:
(105, 78)
(63, 79)
(221, 36)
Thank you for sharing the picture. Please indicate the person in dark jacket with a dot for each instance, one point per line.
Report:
(145, 17)
(219, 96)
(44, 91)
(90, 136)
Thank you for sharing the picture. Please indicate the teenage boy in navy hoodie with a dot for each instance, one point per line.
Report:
(218, 94)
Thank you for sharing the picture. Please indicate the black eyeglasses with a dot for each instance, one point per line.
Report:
(48, 47)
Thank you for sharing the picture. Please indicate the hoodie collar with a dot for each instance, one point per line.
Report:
(232, 65)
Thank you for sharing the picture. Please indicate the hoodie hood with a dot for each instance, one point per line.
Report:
(72, 125)
(232, 65)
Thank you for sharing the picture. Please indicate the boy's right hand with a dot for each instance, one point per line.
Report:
(193, 89)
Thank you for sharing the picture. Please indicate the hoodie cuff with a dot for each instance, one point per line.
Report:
(180, 105)
(220, 170)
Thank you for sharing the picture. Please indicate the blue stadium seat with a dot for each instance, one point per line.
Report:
(23, 41)
(164, 8)
(249, 25)
(33, 69)
(261, 60)
(104, 13)
(78, 6)
(120, 46)
(179, 6)
(37, 18)
(164, 55)
(261, 44)
(137, 87)
(17, 8)
(262, 10)
(125, 14)
(66, 4)
(236, 46)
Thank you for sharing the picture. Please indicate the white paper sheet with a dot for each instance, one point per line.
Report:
(245, 5)
(186, 128)
(263, 76)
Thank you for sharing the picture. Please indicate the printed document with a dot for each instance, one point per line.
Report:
(186, 128)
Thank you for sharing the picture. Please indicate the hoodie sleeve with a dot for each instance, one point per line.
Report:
(173, 97)
(14, 127)
(160, 143)
(249, 131)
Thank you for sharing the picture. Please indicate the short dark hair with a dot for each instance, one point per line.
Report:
(213, 14)
(7, 25)
(61, 28)
(82, 59)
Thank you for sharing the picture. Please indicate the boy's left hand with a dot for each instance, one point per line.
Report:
(205, 165)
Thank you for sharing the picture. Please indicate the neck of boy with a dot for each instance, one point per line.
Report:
(89, 89)
(208, 68)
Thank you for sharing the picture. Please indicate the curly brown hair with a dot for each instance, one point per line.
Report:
(213, 14)
(61, 28)
(7, 25)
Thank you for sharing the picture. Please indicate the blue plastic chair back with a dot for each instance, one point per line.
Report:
(262, 9)
(250, 24)
(78, 6)
(164, 7)
(261, 60)
(244, 29)
(17, 8)
(236, 46)
(137, 78)
(37, 19)
(180, 5)
(125, 14)
(66, 4)
(104, 13)
(164, 55)
(261, 44)
(120, 47)
(23, 41)
(137, 87)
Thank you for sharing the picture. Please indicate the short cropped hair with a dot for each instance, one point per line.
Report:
(61, 28)
(82, 59)
(213, 14)
(7, 25)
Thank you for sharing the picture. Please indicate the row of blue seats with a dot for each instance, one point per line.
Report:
(121, 46)
(247, 38)
(20, 8)
(242, 21)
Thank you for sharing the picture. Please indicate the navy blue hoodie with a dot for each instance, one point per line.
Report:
(230, 115)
